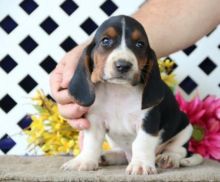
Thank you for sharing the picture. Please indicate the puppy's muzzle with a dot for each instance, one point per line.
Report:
(122, 66)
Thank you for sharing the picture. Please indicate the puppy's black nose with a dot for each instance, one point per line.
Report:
(123, 66)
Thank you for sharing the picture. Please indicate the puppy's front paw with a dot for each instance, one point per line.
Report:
(80, 164)
(140, 167)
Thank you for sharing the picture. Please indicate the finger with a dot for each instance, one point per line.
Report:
(71, 62)
(56, 78)
(68, 74)
(61, 95)
(72, 110)
(59, 91)
(80, 124)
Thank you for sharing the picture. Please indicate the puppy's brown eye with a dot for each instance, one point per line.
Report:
(139, 44)
(107, 42)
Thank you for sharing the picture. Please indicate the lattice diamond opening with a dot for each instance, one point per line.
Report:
(207, 65)
(109, 7)
(28, 44)
(7, 103)
(8, 64)
(69, 7)
(188, 84)
(48, 64)
(6, 143)
(49, 25)
(68, 44)
(8, 24)
(89, 26)
(28, 83)
(28, 6)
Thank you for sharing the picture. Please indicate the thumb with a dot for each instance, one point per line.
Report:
(71, 61)
(67, 76)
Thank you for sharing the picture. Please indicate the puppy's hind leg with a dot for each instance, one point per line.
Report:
(113, 157)
(174, 152)
(170, 158)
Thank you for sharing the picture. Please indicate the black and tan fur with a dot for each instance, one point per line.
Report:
(118, 77)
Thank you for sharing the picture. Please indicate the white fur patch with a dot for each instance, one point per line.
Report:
(176, 143)
(143, 154)
(121, 112)
(92, 144)
(144, 147)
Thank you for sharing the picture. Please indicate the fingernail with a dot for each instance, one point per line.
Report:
(80, 126)
(84, 109)
(83, 126)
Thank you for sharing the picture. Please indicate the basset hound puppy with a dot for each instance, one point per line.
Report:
(118, 77)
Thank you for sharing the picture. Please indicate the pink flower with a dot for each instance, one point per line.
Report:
(205, 118)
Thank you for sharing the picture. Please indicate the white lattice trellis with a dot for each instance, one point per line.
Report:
(23, 71)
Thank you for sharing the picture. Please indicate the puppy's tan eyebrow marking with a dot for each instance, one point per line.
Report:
(135, 35)
(99, 61)
(111, 32)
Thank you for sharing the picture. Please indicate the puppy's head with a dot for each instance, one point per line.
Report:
(119, 53)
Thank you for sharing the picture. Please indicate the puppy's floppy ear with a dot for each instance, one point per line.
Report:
(153, 92)
(81, 87)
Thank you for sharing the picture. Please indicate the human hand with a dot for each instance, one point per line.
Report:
(59, 81)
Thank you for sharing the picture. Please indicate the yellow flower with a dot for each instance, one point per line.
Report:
(49, 130)
(166, 66)
(66, 145)
(106, 146)
(169, 80)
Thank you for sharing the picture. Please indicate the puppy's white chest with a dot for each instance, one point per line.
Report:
(118, 108)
